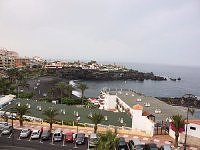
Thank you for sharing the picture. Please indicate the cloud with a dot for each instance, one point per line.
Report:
(149, 31)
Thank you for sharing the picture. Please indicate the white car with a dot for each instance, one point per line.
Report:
(25, 133)
(35, 134)
(3, 125)
(57, 136)
(7, 130)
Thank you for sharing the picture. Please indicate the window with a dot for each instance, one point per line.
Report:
(192, 128)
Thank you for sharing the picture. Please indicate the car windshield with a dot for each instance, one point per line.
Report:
(57, 134)
(152, 145)
(34, 133)
(80, 138)
(69, 135)
(93, 139)
(6, 127)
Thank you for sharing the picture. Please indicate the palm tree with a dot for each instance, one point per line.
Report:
(51, 114)
(61, 87)
(107, 141)
(82, 86)
(21, 110)
(178, 124)
(69, 89)
(51, 92)
(96, 119)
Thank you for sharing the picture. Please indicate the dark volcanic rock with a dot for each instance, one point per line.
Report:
(88, 74)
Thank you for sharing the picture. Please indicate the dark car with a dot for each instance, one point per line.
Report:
(122, 144)
(80, 138)
(46, 134)
(151, 146)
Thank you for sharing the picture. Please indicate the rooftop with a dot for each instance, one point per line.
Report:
(149, 104)
(68, 113)
(194, 121)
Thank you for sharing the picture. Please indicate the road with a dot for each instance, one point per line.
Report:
(12, 142)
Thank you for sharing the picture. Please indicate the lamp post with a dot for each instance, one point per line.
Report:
(77, 120)
(188, 97)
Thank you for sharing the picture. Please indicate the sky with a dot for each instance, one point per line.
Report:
(138, 31)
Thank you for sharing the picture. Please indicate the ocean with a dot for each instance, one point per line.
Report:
(189, 83)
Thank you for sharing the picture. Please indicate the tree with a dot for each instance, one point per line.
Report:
(21, 110)
(5, 86)
(177, 125)
(50, 114)
(82, 86)
(107, 141)
(69, 89)
(96, 119)
(12, 74)
(51, 92)
(61, 87)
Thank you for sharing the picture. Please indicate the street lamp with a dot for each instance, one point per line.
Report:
(188, 97)
(77, 120)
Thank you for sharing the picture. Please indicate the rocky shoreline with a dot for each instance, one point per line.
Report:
(75, 73)
(178, 101)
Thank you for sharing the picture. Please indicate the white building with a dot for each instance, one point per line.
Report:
(145, 111)
(193, 133)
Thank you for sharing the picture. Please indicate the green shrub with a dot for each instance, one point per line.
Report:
(28, 95)
(71, 101)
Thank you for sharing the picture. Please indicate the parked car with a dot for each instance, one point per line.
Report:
(166, 147)
(57, 135)
(7, 130)
(46, 134)
(69, 136)
(3, 125)
(80, 138)
(25, 133)
(151, 146)
(93, 140)
(139, 147)
(35, 134)
(122, 144)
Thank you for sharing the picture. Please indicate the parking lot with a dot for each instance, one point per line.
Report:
(13, 141)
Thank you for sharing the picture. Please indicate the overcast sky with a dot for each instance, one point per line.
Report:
(143, 31)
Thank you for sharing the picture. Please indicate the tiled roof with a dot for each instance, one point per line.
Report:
(137, 107)
(194, 121)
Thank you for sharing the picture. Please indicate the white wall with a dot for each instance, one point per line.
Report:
(194, 133)
(190, 132)
(140, 122)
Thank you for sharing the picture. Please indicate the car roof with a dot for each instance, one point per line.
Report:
(36, 130)
(81, 134)
(167, 147)
(93, 135)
